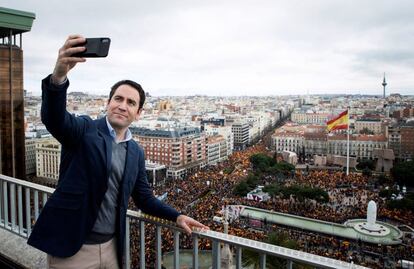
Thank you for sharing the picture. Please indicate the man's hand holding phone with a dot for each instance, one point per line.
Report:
(75, 50)
(65, 61)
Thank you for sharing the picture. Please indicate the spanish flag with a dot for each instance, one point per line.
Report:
(339, 122)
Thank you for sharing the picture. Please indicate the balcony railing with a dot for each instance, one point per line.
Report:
(21, 202)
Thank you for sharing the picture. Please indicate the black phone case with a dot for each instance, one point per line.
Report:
(95, 47)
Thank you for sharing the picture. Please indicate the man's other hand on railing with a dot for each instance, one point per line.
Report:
(188, 224)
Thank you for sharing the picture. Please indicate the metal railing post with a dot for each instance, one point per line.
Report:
(158, 249)
(195, 251)
(28, 213)
(239, 258)
(142, 244)
(36, 203)
(5, 205)
(127, 244)
(20, 208)
(13, 205)
(216, 255)
(176, 249)
(262, 261)
(1, 201)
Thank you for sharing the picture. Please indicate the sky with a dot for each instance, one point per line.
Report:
(228, 48)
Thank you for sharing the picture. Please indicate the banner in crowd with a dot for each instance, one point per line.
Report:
(233, 211)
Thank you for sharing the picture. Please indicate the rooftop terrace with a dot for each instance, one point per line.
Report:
(22, 201)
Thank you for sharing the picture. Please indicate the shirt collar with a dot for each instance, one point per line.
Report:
(128, 134)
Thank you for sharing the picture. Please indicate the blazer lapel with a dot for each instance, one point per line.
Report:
(131, 166)
(103, 128)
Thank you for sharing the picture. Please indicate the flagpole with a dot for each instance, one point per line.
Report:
(347, 147)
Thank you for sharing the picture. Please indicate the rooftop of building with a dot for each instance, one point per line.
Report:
(368, 120)
(292, 128)
(174, 132)
(215, 139)
(358, 137)
(15, 21)
(315, 136)
(387, 154)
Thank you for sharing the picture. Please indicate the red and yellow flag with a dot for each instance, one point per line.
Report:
(339, 122)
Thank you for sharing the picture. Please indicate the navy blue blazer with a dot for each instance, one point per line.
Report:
(71, 211)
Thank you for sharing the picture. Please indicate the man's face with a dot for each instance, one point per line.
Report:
(122, 109)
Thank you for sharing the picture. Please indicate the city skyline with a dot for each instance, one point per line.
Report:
(245, 166)
(229, 49)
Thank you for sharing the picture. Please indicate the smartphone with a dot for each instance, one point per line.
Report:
(95, 47)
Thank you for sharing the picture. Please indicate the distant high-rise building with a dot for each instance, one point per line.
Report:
(12, 142)
(216, 149)
(224, 131)
(407, 140)
(241, 134)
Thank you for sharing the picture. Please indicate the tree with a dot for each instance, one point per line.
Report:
(366, 163)
(382, 179)
(300, 192)
(262, 162)
(265, 164)
(272, 189)
(407, 203)
(251, 258)
(366, 172)
(285, 167)
(403, 173)
(387, 193)
(241, 189)
(252, 181)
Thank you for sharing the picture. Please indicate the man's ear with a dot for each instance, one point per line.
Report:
(138, 114)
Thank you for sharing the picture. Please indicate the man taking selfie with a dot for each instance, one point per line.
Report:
(83, 223)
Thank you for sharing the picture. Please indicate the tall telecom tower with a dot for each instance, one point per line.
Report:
(384, 83)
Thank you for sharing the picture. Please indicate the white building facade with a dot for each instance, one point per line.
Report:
(48, 159)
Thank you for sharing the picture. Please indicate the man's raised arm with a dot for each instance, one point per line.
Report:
(65, 127)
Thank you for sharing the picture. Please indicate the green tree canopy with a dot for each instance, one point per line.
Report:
(300, 192)
(241, 189)
(252, 259)
(366, 172)
(382, 179)
(387, 193)
(262, 162)
(366, 163)
(407, 203)
(252, 181)
(403, 173)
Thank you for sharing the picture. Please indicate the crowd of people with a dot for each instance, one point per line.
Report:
(204, 192)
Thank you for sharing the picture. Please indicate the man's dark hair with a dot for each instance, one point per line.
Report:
(134, 85)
